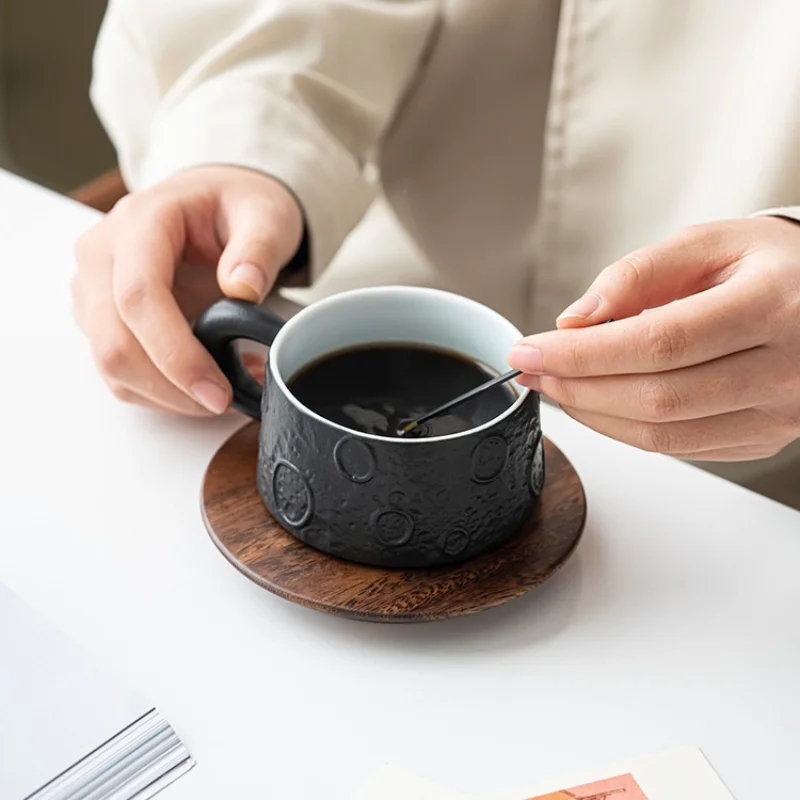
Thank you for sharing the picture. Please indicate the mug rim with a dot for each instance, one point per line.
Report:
(333, 300)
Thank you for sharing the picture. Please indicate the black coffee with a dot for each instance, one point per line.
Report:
(377, 388)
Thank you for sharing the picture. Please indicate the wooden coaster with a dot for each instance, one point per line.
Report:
(250, 538)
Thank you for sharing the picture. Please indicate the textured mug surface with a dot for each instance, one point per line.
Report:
(390, 504)
(379, 500)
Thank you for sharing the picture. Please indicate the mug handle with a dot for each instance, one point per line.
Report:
(218, 327)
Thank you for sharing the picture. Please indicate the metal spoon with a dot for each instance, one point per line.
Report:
(411, 425)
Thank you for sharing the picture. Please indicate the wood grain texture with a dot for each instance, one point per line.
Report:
(250, 538)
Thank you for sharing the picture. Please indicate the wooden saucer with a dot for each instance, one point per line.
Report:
(250, 538)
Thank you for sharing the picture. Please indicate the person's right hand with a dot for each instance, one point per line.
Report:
(160, 257)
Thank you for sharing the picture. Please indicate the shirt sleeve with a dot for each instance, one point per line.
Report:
(787, 212)
(301, 90)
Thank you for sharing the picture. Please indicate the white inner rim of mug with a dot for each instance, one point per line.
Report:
(391, 315)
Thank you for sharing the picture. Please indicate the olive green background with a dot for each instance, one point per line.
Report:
(48, 130)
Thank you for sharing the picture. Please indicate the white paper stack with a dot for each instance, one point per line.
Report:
(68, 730)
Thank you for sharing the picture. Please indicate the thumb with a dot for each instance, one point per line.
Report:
(262, 238)
(650, 277)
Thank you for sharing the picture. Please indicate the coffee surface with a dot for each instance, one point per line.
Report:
(376, 388)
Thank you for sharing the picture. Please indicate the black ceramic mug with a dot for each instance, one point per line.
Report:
(368, 498)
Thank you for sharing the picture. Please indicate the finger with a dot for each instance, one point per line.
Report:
(123, 363)
(144, 264)
(255, 365)
(737, 428)
(261, 239)
(735, 382)
(699, 328)
(126, 394)
(746, 453)
(126, 366)
(691, 261)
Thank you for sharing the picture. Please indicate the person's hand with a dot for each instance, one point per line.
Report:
(159, 258)
(712, 372)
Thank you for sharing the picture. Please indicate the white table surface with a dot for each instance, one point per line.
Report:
(677, 621)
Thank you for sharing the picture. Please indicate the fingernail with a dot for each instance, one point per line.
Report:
(527, 358)
(210, 395)
(251, 279)
(583, 307)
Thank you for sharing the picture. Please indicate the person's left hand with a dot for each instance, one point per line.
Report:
(711, 372)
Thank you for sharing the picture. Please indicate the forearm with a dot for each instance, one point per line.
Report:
(297, 89)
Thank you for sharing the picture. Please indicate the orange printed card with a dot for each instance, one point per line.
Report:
(623, 787)
(678, 774)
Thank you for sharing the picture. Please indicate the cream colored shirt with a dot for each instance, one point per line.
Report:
(523, 144)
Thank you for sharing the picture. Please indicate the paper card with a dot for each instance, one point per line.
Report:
(680, 774)
(624, 787)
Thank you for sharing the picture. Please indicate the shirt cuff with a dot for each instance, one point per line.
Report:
(786, 212)
(247, 125)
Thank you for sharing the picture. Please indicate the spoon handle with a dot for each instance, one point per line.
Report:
(500, 379)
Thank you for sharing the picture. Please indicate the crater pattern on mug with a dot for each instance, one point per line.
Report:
(293, 497)
(398, 499)
(393, 527)
(488, 459)
(319, 535)
(537, 468)
(354, 460)
(455, 542)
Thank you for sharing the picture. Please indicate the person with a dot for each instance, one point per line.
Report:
(573, 161)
